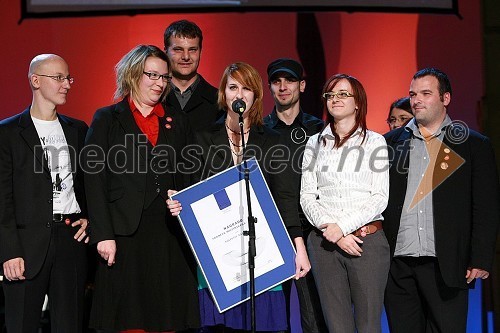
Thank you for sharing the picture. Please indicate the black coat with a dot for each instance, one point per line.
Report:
(118, 190)
(201, 109)
(466, 204)
(126, 199)
(26, 188)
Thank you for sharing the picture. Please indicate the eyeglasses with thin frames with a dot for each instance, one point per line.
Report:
(340, 95)
(59, 78)
(156, 76)
(400, 119)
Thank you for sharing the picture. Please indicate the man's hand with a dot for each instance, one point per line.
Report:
(331, 231)
(476, 273)
(82, 232)
(107, 250)
(13, 269)
(349, 244)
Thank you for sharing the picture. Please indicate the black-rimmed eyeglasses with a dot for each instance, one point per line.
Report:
(156, 76)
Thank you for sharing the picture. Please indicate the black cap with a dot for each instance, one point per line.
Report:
(284, 65)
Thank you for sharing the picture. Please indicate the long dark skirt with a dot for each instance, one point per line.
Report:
(152, 286)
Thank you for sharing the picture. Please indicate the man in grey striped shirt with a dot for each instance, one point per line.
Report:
(443, 213)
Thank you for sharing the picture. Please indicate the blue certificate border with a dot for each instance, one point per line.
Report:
(226, 299)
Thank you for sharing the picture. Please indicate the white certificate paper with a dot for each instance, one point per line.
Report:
(223, 229)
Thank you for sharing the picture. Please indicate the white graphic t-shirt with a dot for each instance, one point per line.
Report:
(58, 159)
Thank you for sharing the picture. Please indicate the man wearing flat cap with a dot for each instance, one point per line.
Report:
(286, 83)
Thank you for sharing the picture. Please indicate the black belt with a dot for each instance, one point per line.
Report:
(59, 218)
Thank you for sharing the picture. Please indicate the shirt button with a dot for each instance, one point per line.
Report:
(420, 228)
(157, 190)
(48, 225)
(420, 212)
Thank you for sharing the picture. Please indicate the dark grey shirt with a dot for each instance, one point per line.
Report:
(183, 97)
(416, 231)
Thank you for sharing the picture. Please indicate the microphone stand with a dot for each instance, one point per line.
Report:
(251, 227)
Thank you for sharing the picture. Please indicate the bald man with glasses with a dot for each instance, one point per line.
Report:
(42, 207)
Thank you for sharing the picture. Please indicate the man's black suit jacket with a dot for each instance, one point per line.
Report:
(201, 109)
(26, 188)
(466, 203)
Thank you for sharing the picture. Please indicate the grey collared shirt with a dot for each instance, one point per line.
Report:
(184, 96)
(416, 230)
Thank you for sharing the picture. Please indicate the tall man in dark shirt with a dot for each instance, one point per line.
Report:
(190, 92)
(286, 82)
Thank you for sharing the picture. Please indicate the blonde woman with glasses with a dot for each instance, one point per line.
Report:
(146, 276)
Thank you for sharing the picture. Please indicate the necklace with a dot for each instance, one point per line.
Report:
(234, 144)
(236, 153)
(235, 132)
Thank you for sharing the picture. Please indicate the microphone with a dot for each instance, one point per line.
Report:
(239, 106)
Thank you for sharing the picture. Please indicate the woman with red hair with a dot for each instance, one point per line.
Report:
(344, 190)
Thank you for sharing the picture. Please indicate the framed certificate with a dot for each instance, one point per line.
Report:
(214, 217)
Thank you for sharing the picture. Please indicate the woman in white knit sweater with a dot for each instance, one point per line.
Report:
(345, 186)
